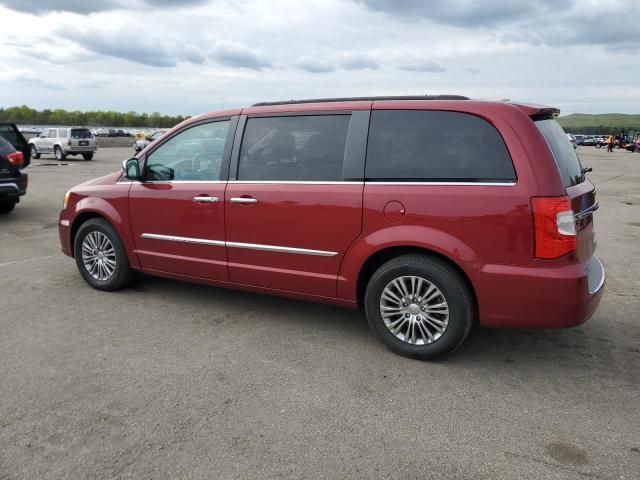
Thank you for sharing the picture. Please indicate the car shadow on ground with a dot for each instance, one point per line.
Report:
(588, 348)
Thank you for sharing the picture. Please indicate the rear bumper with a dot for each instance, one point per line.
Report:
(540, 296)
(16, 186)
(77, 150)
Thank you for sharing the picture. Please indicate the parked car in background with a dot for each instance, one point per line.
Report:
(14, 156)
(64, 141)
(432, 213)
(139, 145)
(593, 142)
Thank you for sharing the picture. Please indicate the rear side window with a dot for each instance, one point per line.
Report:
(294, 148)
(5, 147)
(563, 152)
(80, 133)
(414, 145)
(62, 133)
(9, 133)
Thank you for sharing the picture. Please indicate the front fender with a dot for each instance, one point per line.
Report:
(421, 237)
(115, 211)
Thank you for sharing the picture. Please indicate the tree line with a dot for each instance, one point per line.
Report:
(25, 115)
(601, 130)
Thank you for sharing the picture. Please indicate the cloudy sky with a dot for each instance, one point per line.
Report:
(191, 56)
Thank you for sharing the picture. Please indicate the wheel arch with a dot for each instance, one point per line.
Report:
(382, 256)
(78, 221)
(110, 215)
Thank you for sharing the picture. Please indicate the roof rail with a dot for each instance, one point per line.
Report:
(356, 99)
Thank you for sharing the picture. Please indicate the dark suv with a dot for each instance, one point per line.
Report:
(14, 156)
(432, 213)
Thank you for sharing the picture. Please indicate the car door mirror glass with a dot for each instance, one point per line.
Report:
(131, 169)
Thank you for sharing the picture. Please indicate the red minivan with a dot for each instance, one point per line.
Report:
(432, 213)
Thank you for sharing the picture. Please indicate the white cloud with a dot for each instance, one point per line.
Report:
(193, 56)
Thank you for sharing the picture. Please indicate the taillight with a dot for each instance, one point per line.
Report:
(555, 226)
(16, 159)
(69, 142)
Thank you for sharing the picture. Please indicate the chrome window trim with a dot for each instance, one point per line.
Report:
(120, 182)
(452, 184)
(12, 185)
(247, 246)
(295, 182)
(321, 182)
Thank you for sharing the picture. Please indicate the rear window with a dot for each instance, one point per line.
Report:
(413, 145)
(5, 146)
(563, 152)
(9, 133)
(80, 133)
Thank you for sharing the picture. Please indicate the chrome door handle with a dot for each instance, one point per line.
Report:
(243, 200)
(204, 199)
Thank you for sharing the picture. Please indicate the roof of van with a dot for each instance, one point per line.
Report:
(365, 103)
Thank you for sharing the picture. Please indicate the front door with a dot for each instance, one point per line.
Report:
(290, 215)
(177, 212)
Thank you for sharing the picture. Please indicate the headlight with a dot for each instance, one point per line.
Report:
(66, 199)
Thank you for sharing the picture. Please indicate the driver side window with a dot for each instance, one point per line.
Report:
(192, 155)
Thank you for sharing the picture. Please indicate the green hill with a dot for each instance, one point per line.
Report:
(598, 124)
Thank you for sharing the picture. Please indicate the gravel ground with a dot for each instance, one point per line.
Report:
(172, 380)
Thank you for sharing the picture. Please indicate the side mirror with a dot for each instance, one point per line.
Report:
(131, 169)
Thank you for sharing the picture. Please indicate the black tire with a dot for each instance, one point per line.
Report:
(453, 288)
(34, 152)
(88, 156)
(60, 155)
(597, 145)
(7, 204)
(122, 274)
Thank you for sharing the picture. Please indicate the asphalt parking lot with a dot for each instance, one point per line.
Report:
(172, 380)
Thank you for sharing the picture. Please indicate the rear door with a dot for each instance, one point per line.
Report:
(177, 212)
(82, 139)
(10, 132)
(580, 190)
(292, 206)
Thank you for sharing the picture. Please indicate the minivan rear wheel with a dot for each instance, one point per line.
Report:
(88, 156)
(419, 306)
(100, 256)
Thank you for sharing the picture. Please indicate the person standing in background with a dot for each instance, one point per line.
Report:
(610, 141)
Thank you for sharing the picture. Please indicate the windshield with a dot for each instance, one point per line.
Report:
(80, 133)
(563, 152)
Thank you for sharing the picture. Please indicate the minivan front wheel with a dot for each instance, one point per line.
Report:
(100, 256)
(419, 306)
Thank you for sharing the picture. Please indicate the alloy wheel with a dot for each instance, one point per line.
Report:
(98, 255)
(414, 310)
